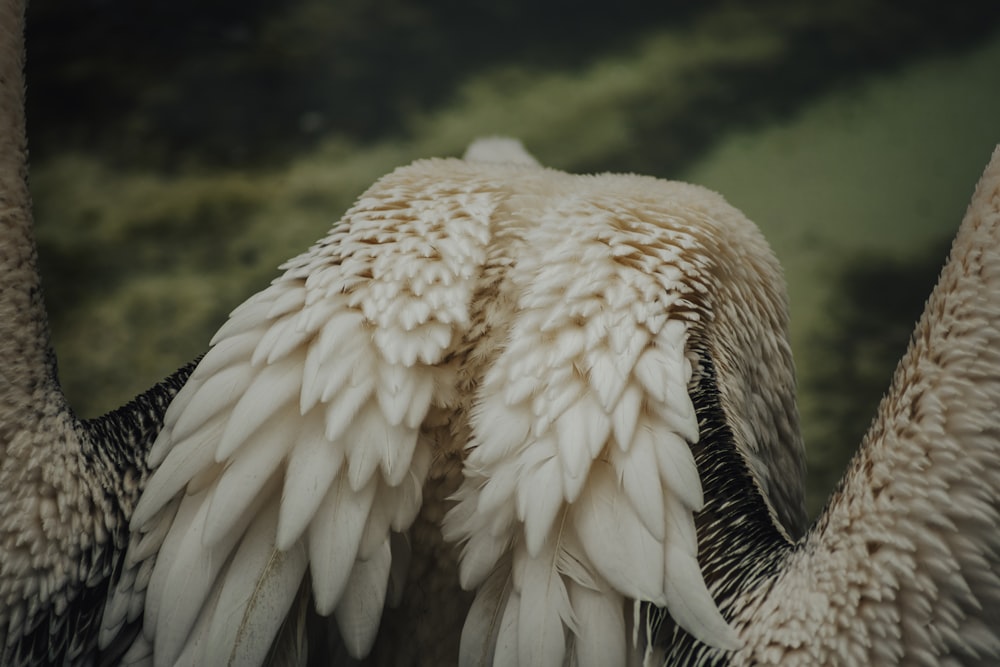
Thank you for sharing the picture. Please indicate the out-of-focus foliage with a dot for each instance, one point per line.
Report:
(181, 151)
(232, 82)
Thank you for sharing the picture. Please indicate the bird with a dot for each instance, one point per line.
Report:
(501, 414)
(67, 485)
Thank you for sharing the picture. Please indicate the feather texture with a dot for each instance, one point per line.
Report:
(299, 441)
(440, 342)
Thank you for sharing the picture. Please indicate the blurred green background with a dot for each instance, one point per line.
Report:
(182, 150)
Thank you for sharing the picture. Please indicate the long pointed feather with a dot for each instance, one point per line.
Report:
(543, 608)
(334, 537)
(640, 480)
(186, 510)
(600, 639)
(189, 457)
(245, 477)
(621, 548)
(260, 585)
(506, 654)
(275, 387)
(192, 570)
(312, 464)
(482, 623)
(692, 606)
(360, 608)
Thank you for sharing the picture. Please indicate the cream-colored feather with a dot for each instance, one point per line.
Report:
(492, 353)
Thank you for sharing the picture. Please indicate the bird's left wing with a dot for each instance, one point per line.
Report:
(296, 444)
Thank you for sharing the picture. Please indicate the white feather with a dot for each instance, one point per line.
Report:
(678, 411)
(333, 539)
(373, 442)
(408, 495)
(615, 539)
(343, 408)
(420, 399)
(482, 623)
(312, 464)
(500, 430)
(677, 468)
(187, 458)
(542, 609)
(360, 607)
(507, 646)
(640, 480)
(291, 296)
(394, 391)
(380, 518)
(625, 417)
(607, 377)
(159, 594)
(679, 523)
(279, 340)
(260, 585)
(325, 370)
(480, 555)
(193, 570)
(539, 499)
(190, 506)
(583, 431)
(246, 317)
(691, 605)
(652, 370)
(225, 353)
(274, 387)
(210, 398)
(576, 443)
(498, 489)
(600, 638)
(257, 461)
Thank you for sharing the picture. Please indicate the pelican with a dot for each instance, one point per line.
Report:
(501, 414)
(67, 486)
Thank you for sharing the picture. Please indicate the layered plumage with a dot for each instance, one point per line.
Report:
(495, 353)
(573, 398)
(903, 565)
(67, 486)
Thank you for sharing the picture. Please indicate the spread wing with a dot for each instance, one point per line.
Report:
(299, 449)
(296, 444)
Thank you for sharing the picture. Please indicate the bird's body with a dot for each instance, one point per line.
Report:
(502, 415)
(437, 346)
(503, 379)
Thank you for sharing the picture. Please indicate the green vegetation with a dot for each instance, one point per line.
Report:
(208, 143)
